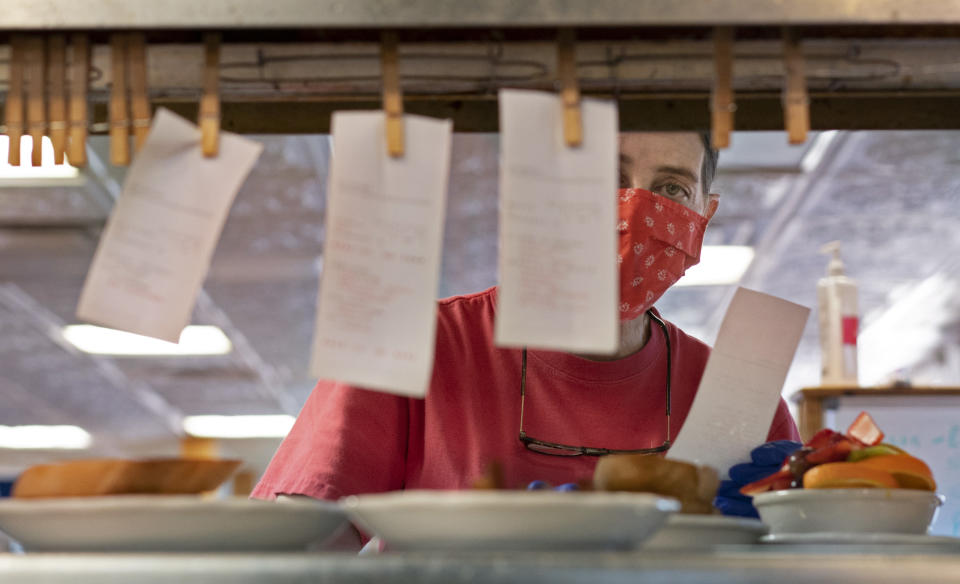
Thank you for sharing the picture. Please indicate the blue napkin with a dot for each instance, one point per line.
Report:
(765, 460)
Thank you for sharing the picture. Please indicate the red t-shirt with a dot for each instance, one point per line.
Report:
(349, 440)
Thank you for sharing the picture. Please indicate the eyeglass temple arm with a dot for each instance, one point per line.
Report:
(666, 338)
(523, 383)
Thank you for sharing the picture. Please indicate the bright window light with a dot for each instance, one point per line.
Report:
(267, 426)
(26, 172)
(194, 340)
(719, 265)
(44, 437)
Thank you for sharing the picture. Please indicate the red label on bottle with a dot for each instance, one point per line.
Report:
(850, 325)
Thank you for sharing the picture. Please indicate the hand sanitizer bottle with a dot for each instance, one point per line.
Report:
(839, 322)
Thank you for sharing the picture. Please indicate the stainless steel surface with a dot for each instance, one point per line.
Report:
(324, 71)
(743, 567)
(227, 14)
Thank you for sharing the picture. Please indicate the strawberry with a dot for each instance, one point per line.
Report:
(836, 452)
(778, 480)
(823, 438)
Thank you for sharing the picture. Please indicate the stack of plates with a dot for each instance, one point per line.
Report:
(698, 532)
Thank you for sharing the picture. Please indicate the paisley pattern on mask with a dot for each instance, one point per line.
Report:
(659, 240)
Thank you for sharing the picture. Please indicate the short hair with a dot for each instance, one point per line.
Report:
(708, 170)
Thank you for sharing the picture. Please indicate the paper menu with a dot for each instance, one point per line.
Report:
(558, 216)
(740, 388)
(155, 250)
(376, 309)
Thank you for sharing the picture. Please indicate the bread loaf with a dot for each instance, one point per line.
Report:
(109, 476)
(695, 486)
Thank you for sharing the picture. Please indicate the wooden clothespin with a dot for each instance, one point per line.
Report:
(392, 95)
(14, 106)
(119, 116)
(210, 102)
(796, 101)
(569, 88)
(35, 69)
(57, 94)
(79, 78)
(139, 101)
(722, 103)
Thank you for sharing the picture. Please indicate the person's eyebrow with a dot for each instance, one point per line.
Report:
(678, 170)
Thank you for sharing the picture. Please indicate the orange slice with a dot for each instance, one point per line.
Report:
(847, 475)
(909, 472)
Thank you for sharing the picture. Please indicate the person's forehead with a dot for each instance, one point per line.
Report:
(652, 149)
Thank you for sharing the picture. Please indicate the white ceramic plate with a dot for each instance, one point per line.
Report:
(683, 532)
(848, 510)
(899, 539)
(509, 520)
(167, 523)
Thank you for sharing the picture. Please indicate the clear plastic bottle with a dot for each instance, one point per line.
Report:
(839, 322)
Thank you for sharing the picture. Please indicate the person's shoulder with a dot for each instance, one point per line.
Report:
(483, 297)
(687, 344)
(689, 341)
(464, 305)
(466, 319)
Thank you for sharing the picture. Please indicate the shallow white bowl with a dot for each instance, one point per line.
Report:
(685, 532)
(848, 510)
(509, 520)
(134, 523)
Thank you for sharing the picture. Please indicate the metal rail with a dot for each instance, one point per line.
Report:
(307, 14)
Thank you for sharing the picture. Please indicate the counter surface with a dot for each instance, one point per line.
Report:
(736, 565)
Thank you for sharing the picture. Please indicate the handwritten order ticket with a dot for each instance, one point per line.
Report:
(558, 215)
(376, 309)
(156, 248)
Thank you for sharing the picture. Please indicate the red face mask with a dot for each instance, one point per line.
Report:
(659, 240)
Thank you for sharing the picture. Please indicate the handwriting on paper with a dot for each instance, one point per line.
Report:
(376, 310)
(558, 274)
(156, 248)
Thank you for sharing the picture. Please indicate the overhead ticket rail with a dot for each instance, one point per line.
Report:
(283, 66)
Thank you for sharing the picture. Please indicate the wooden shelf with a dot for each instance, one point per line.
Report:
(812, 401)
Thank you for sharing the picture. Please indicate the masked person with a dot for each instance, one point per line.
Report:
(542, 415)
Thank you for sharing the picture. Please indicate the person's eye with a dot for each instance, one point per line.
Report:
(673, 190)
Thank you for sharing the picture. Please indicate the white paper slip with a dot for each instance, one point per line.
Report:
(376, 310)
(740, 389)
(558, 216)
(156, 248)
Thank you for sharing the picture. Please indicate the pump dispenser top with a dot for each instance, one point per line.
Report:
(835, 267)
